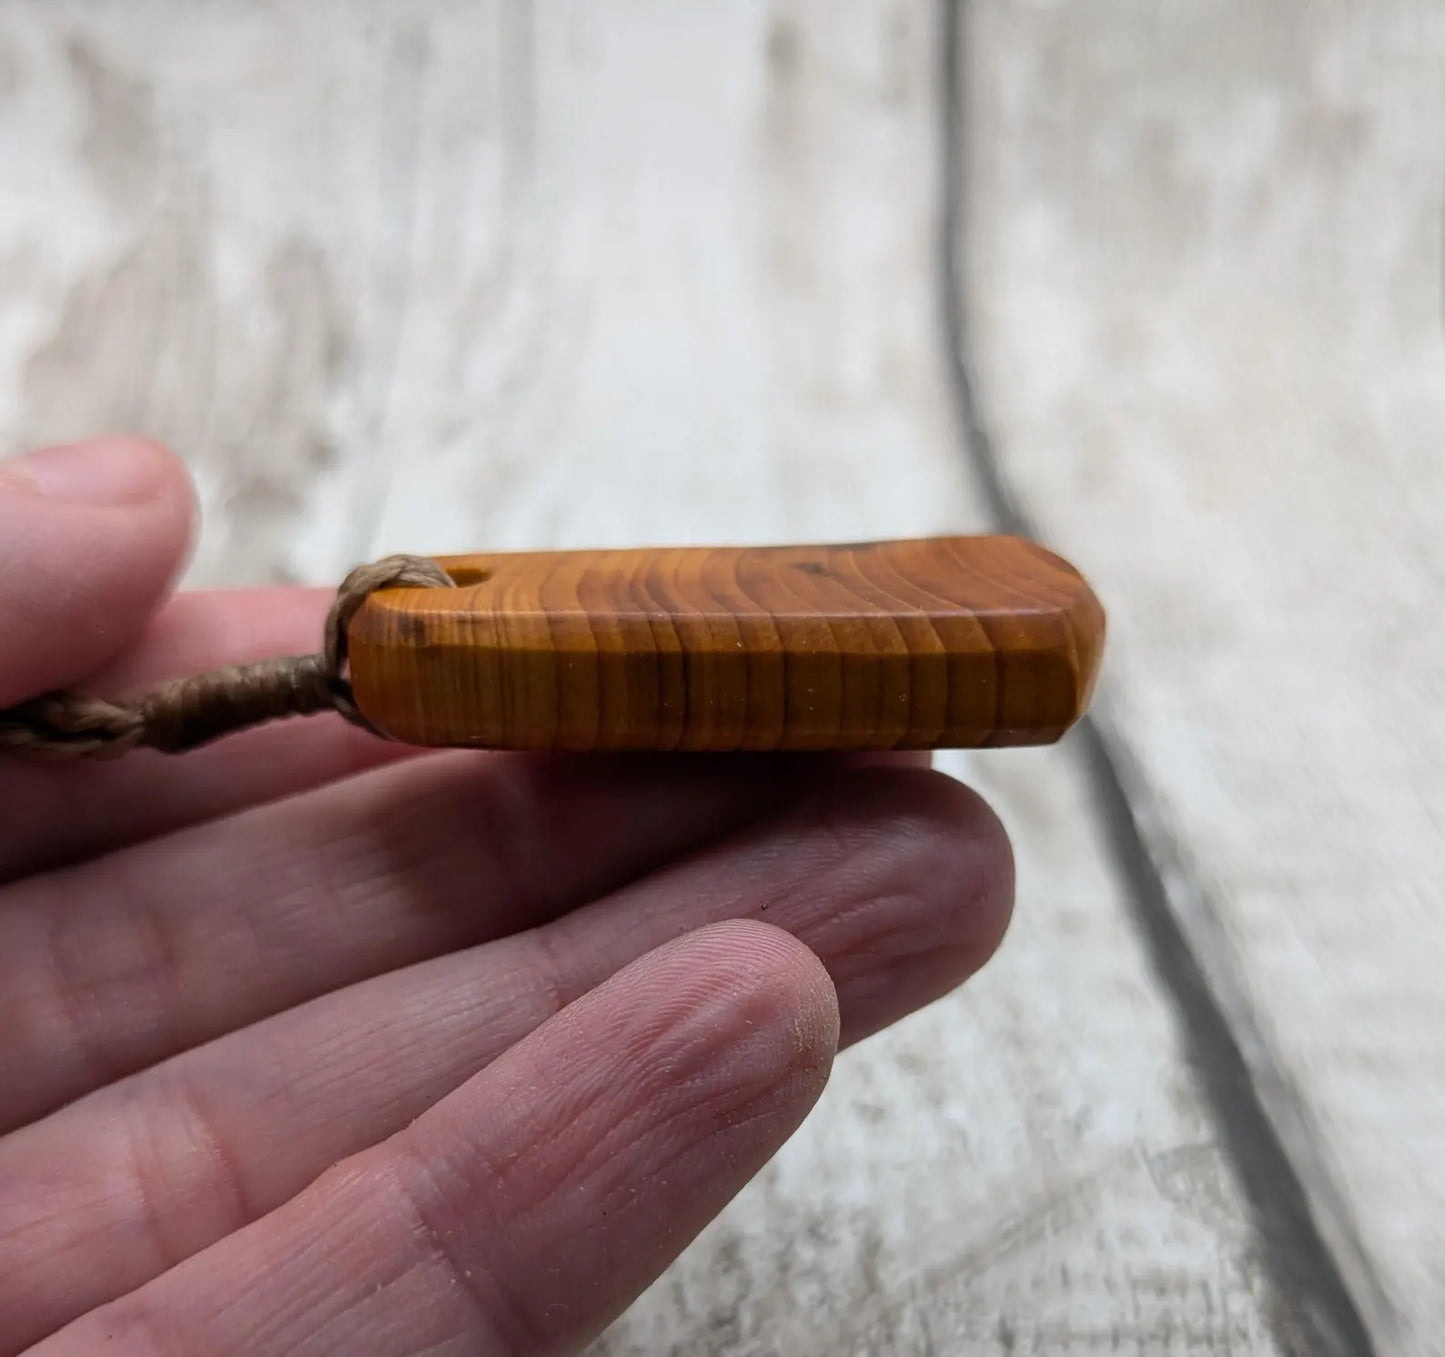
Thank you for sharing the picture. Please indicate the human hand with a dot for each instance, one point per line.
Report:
(314, 1044)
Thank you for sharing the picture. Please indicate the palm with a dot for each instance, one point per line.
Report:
(309, 1045)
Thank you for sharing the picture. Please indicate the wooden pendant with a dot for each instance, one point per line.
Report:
(941, 643)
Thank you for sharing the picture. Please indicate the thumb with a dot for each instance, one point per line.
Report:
(91, 536)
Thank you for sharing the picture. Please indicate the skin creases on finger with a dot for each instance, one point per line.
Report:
(899, 880)
(118, 963)
(527, 1209)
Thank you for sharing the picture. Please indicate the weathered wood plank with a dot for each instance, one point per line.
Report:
(611, 275)
(1203, 272)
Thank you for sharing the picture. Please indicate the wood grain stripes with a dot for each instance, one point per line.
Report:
(938, 643)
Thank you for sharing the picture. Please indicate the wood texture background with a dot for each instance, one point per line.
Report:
(448, 276)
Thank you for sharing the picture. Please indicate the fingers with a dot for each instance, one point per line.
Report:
(59, 812)
(527, 1209)
(90, 537)
(899, 880)
(115, 964)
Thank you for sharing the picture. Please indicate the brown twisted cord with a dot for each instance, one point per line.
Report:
(188, 712)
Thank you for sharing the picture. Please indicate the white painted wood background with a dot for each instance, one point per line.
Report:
(448, 276)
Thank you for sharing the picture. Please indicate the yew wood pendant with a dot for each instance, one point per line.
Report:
(940, 643)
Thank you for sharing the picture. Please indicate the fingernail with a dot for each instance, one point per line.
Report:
(103, 472)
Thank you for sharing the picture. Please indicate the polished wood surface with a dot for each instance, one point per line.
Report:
(930, 644)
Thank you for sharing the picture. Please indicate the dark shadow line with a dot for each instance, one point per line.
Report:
(1320, 1316)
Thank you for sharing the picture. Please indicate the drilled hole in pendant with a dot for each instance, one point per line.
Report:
(464, 576)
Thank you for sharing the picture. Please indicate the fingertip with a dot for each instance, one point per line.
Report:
(978, 846)
(91, 537)
(733, 1015)
(912, 892)
(938, 838)
(776, 982)
(102, 473)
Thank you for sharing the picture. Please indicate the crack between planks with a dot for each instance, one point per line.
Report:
(1332, 1301)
